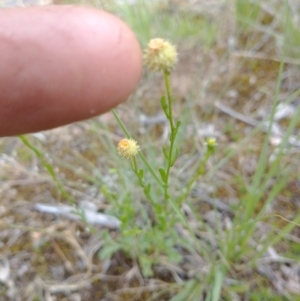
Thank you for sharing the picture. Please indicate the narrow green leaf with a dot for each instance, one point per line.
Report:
(173, 135)
(189, 289)
(216, 292)
(147, 190)
(158, 208)
(163, 175)
(108, 251)
(175, 157)
(165, 152)
(141, 173)
(164, 106)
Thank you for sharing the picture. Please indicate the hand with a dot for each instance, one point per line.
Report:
(61, 64)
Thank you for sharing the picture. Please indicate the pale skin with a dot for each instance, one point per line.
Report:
(61, 64)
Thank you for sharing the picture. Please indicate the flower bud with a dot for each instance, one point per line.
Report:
(128, 148)
(160, 55)
(211, 144)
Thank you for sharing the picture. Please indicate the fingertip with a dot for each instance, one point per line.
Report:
(65, 64)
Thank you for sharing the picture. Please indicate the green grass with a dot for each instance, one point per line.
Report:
(227, 250)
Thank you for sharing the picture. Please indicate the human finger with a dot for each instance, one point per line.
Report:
(61, 64)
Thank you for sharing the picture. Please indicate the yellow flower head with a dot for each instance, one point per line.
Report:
(211, 143)
(160, 55)
(128, 148)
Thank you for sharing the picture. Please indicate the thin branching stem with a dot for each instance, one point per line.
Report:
(48, 167)
(169, 98)
(142, 183)
(127, 134)
(172, 135)
(200, 171)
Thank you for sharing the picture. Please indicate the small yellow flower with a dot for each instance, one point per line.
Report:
(160, 55)
(128, 148)
(211, 143)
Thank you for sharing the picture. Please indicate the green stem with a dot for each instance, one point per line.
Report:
(172, 136)
(127, 134)
(135, 167)
(121, 124)
(169, 98)
(202, 248)
(199, 172)
(48, 167)
(150, 169)
(142, 183)
(58, 183)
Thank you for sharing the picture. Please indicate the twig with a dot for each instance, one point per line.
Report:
(275, 130)
(91, 217)
(236, 115)
(263, 56)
